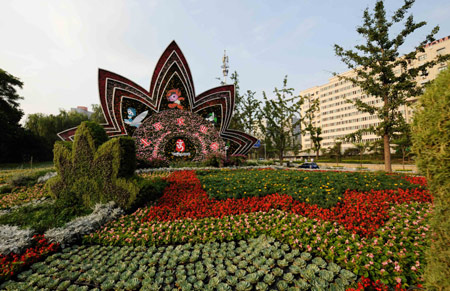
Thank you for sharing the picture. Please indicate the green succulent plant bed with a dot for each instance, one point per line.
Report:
(261, 263)
(324, 189)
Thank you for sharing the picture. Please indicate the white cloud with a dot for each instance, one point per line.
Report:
(56, 47)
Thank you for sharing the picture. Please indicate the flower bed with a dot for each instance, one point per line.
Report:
(362, 213)
(324, 189)
(262, 263)
(12, 263)
(394, 252)
(22, 195)
(369, 233)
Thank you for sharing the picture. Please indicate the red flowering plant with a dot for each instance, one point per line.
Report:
(12, 263)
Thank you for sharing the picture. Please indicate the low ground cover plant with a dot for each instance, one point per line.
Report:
(324, 189)
(262, 263)
(44, 216)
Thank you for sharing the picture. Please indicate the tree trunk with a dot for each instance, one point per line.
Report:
(360, 159)
(387, 154)
(403, 158)
(281, 157)
(317, 155)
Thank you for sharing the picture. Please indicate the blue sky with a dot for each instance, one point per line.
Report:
(56, 47)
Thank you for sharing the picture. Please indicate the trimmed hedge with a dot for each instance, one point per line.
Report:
(431, 143)
(98, 133)
(88, 175)
(150, 190)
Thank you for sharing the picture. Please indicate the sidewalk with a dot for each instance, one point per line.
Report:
(374, 167)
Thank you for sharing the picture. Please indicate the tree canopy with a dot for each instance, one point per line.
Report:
(376, 61)
(278, 118)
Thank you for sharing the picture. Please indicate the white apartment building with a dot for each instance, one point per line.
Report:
(338, 118)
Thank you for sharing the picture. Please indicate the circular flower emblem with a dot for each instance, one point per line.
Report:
(177, 135)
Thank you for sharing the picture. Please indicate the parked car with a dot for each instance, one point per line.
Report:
(309, 165)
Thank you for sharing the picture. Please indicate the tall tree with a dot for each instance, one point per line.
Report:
(249, 115)
(431, 136)
(276, 118)
(308, 121)
(236, 120)
(336, 151)
(10, 115)
(97, 115)
(375, 62)
(356, 138)
(402, 140)
(46, 127)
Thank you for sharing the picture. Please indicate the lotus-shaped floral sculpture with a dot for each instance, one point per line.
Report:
(195, 125)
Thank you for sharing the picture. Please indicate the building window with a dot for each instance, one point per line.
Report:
(440, 51)
(422, 57)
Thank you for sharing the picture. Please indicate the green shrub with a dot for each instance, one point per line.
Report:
(214, 160)
(266, 162)
(150, 190)
(236, 160)
(92, 175)
(6, 189)
(251, 163)
(153, 163)
(97, 132)
(431, 143)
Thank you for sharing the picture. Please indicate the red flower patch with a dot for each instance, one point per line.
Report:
(12, 263)
(359, 212)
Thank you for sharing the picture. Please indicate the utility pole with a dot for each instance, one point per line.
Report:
(225, 66)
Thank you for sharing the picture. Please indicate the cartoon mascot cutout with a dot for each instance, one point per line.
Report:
(174, 97)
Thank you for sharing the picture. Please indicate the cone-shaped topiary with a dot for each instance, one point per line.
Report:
(431, 143)
(88, 175)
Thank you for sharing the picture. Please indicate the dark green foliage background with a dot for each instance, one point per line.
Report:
(321, 188)
(431, 143)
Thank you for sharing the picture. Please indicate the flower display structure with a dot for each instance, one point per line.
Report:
(158, 135)
(127, 105)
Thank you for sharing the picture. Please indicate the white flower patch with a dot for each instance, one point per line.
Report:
(47, 176)
(14, 240)
(75, 229)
